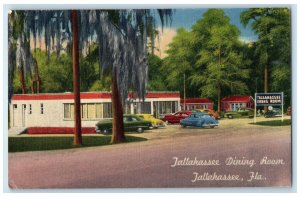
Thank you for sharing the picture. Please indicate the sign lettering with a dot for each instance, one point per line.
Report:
(266, 99)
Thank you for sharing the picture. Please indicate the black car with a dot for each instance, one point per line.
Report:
(131, 123)
(272, 113)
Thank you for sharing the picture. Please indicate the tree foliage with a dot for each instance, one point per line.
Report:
(180, 61)
(121, 36)
(210, 57)
(273, 48)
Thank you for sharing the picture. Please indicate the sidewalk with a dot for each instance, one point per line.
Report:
(15, 131)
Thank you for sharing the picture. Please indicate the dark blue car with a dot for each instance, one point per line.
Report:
(197, 119)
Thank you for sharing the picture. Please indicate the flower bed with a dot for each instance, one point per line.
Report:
(58, 130)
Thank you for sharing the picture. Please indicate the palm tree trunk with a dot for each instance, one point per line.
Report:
(76, 79)
(117, 110)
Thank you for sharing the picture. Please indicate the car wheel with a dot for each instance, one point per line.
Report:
(105, 131)
(183, 125)
(140, 130)
(230, 116)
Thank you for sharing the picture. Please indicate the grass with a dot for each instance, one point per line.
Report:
(22, 144)
(285, 122)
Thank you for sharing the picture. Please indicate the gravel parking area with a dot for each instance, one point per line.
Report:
(225, 125)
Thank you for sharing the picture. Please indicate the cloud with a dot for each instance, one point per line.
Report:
(164, 39)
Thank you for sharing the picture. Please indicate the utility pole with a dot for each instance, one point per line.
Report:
(184, 92)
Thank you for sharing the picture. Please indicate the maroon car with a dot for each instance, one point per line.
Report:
(176, 117)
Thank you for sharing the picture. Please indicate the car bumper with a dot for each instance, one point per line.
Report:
(209, 125)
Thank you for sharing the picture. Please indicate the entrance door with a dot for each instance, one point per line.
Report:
(23, 114)
(14, 114)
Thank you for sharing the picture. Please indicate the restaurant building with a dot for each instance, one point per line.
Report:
(57, 109)
(232, 103)
(196, 103)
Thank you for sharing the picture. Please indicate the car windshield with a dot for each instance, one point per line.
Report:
(193, 116)
(131, 118)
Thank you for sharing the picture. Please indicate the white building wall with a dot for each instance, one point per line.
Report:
(53, 112)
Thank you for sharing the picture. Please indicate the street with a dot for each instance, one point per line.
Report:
(234, 154)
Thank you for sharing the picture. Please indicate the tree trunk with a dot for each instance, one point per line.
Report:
(219, 87)
(184, 92)
(76, 79)
(32, 86)
(117, 110)
(219, 98)
(22, 79)
(38, 88)
(266, 78)
(266, 82)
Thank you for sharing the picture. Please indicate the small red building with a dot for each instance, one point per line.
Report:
(232, 103)
(196, 103)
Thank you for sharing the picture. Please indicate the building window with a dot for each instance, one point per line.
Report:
(89, 111)
(107, 110)
(83, 111)
(15, 106)
(174, 106)
(126, 108)
(42, 108)
(99, 110)
(30, 109)
(69, 111)
(142, 107)
(67, 114)
(164, 107)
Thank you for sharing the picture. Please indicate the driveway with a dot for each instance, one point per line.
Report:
(247, 155)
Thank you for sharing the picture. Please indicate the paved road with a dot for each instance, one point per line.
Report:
(149, 164)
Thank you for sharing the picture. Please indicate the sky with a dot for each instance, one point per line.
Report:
(187, 17)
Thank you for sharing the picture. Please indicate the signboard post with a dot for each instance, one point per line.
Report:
(268, 99)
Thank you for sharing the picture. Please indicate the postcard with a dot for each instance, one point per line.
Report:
(150, 98)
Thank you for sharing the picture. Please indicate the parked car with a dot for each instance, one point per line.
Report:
(176, 117)
(272, 113)
(154, 121)
(198, 119)
(131, 123)
(210, 112)
(241, 112)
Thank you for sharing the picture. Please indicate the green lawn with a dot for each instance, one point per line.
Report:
(285, 122)
(21, 144)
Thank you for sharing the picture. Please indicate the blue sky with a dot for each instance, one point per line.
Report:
(187, 17)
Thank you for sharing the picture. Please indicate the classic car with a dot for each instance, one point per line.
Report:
(210, 112)
(131, 123)
(272, 113)
(198, 119)
(241, 112)
(176, 117)
(155, 122)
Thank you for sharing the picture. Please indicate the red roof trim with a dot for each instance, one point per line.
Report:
(237, 99)
(88, 95)
(196, 100)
